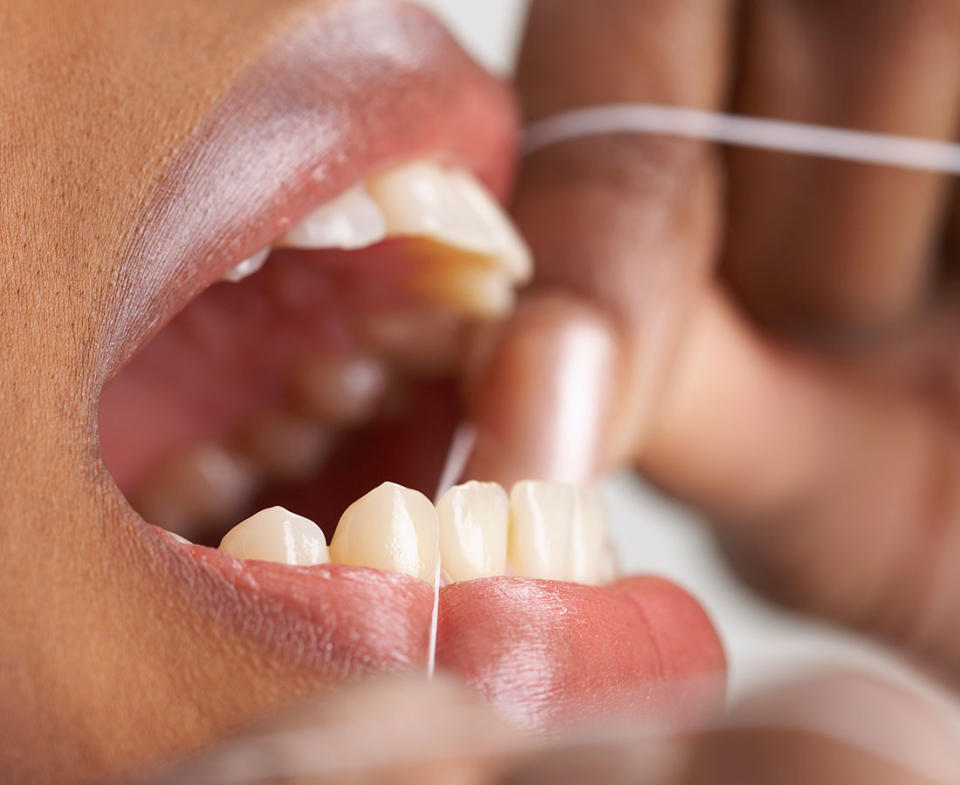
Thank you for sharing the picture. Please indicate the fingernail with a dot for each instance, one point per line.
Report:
(541, 400)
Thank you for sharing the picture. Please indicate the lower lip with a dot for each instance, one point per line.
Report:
(543, 652)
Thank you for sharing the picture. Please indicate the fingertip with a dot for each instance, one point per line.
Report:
(540, 389)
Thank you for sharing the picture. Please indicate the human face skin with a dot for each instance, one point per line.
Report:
(146, 149)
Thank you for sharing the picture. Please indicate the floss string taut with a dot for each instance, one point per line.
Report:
(905, 152)
(461, 446)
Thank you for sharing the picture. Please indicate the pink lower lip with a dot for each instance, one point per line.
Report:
(544, 652)
(334, 620)
(549, 653)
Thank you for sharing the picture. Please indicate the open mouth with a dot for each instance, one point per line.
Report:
(287, 382)
(283, 391)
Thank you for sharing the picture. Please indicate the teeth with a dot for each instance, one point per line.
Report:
(473, 254)
(248, 266)
(391, 528)
(557, 532)
(340, 390)
(473, 530)
(451, 208)
(421, 341)
(475, 290)
(286, 446)
(352, 220)
(277, 535)
(206, 483)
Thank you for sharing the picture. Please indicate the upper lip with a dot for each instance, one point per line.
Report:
(337, 95)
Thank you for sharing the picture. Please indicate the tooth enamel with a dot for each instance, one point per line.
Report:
(450, 207)
(420, 341)
(277, 535)
(473, 530)
(340, 390)
(390, 528)
(248, 266)
(475, 291)
(352, 220)
(205, 483)
(557, 532)
(286, 446)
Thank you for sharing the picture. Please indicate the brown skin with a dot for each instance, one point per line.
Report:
(786, 327)
(129, 185)
(829, 727)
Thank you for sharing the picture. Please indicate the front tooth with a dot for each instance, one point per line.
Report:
(473, 530)
(352, 220)
(450, 207)
(277, 535)
(557, 532)
(248, 266)
(390, 528)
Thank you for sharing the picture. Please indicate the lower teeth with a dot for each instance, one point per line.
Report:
(546, 530)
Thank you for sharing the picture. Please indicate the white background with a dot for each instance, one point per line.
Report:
(656, 536)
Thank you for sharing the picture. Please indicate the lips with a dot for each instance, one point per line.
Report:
(182, 640)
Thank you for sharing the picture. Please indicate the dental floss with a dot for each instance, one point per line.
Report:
(888, 149)
(803, 138)
(461, 446)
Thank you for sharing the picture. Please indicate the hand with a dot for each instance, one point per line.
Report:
(826, 727)
(771, 337)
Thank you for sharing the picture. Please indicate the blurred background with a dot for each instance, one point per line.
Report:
(763, 641)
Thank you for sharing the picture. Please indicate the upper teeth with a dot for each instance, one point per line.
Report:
(546, 530)
(248, 266)
(449, 207)
(352, 220)
(445, 206)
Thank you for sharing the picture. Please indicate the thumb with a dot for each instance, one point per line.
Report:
(623, 231)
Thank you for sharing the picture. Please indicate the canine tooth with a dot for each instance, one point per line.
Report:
(352, 220)
(473, 530)
(248, 266)
(204, 483)
(557, 532)
(340, 390)
(390, 528)
(450, 207)
(285, 445)
(278, 535)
